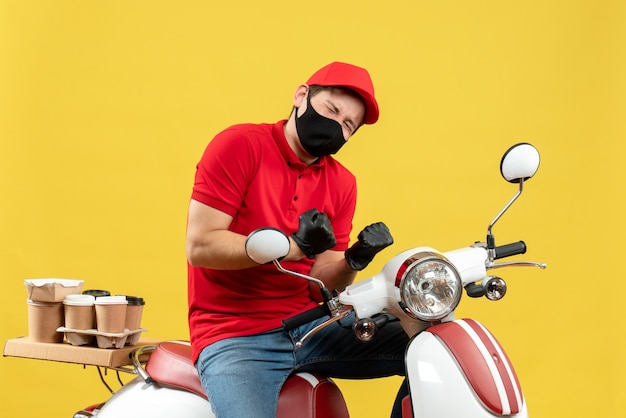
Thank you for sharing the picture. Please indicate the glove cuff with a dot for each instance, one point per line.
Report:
(355, 262)
(306, 248)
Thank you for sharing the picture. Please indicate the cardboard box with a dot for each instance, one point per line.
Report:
(52, 290)
(91, 356)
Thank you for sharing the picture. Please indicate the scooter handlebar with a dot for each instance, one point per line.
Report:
(304, 317)
(508, 250)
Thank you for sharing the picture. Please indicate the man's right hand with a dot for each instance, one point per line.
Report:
(315, 233)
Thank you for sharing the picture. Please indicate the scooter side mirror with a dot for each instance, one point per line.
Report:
(266, 245)
(519, 163)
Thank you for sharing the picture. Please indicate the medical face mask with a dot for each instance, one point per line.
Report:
(318, 134)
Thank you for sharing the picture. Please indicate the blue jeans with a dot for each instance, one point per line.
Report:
(243, 376)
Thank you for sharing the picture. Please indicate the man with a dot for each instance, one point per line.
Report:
(281, 175)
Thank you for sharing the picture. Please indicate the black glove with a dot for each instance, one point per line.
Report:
(315, 233)
(371, 240)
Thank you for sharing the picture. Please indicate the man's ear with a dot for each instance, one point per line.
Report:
(300, 94)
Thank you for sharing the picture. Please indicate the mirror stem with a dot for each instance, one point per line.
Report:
(326, 294)
(491, 242)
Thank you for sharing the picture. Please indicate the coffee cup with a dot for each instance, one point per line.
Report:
(43, 320)
(134, 312)
(79, 312)
(111, 314)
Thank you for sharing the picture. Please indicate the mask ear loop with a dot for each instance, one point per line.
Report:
(295, 108)
(308, 104)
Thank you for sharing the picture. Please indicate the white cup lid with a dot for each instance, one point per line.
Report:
(111, 300)
(79, 300)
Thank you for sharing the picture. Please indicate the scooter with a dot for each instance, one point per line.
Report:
(455, 367)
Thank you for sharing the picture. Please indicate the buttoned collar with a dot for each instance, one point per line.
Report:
(288, 154)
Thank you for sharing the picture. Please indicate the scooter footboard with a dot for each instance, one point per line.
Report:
(458, 369)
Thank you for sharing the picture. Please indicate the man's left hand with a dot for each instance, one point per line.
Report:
(371, 240)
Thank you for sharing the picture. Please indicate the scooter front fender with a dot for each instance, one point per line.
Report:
(140, 399)
(458, 369)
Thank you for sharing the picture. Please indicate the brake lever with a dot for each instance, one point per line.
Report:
(342, 313)
(494, 265)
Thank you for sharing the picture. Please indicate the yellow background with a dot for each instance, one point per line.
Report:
(106, 106)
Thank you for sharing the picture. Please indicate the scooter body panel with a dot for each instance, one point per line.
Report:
(139, 399)
(452, 374)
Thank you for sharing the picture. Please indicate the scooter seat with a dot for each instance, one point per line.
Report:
(304, 395)
(171, 364)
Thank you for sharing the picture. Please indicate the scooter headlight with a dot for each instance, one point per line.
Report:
(430, 286)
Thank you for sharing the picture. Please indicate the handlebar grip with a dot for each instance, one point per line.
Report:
(304, 317)
(508, 250)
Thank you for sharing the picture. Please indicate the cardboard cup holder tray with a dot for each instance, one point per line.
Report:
(103, 339)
